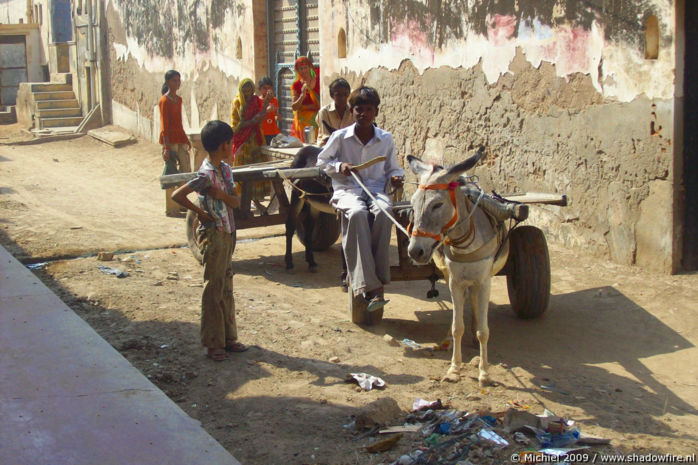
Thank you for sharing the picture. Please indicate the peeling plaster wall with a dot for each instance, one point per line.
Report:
(13, 11)
(560, 92)
(198, 38)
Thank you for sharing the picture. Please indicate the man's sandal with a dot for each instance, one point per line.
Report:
(376, 303)
(236, 347)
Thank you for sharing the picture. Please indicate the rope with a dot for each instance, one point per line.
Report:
(399, 226)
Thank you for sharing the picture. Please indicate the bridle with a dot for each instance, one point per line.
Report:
(451, 187)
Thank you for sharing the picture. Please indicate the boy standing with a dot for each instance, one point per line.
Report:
(365, 242)
(217, 197)
(335, 115)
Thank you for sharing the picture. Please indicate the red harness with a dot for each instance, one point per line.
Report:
(451, 186)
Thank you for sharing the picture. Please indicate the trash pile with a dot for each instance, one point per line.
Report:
(441, 435)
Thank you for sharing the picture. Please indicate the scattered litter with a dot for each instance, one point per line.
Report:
(366, 381)
(384, 445)
(521, 438)
(553, 388)
(433, 440)
(334, 359)
(400, 429)
(267, 272)
(561, 452)
(164, 346)
(454, 437)
(411, 344)
(105, 256)
(113, 271)
(390, 340)
(296, 285)
(421, 404)
(37, 266)
(493, 437)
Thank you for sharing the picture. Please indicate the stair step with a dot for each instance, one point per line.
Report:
(58, 95)
(59, 122)
(51, 87)
(63, 103)
(58, 112)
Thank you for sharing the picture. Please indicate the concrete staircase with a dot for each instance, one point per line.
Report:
(56, 106)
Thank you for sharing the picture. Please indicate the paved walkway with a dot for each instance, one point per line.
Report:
(68, 397)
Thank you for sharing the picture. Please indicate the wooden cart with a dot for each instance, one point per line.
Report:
(527, 269)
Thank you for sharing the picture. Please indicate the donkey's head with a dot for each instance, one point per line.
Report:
(434, 204)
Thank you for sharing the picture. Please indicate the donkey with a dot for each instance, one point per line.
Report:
(311, 204)
(463, 242)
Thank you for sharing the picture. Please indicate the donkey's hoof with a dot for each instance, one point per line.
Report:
(312, 268)
(452, 376)
(484, 380)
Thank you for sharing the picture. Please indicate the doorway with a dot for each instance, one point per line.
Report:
(293, 31)
(13, 67)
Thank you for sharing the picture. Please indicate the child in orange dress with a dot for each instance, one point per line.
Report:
(269, 126)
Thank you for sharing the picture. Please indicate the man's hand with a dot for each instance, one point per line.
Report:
(346, 169)
(165, 153)
(397, 181)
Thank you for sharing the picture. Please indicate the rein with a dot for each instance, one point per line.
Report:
(451, 187)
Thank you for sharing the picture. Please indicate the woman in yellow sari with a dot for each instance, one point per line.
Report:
(305, 92)
(248, 113)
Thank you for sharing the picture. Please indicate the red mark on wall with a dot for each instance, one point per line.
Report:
(500, 29)
(410, 37)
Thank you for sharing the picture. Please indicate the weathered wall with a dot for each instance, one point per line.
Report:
(560, 92)
(198, 38)
(14, 12)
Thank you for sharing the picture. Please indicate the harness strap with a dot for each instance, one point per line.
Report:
(488, 249)
(451, 186)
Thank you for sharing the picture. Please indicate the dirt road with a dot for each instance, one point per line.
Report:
(616, 350)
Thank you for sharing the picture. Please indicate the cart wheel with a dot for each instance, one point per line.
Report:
(325, 234)
(359, 314)
(528, 275)
(192, 239)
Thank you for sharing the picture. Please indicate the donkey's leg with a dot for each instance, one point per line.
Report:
(479, 300)
(457, 328)
(311, 219)
(293, 211)
(343, 277)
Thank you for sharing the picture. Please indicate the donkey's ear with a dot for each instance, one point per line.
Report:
(418, 166)
(464, 166)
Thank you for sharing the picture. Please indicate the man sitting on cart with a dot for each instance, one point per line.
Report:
(365, 226)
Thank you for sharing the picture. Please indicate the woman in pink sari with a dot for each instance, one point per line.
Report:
(305, 92)
(248, 113)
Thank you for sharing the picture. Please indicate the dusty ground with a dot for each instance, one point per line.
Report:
(616, 350)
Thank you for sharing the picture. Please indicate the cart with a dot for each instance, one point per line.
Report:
(527, 268)
(274, 208)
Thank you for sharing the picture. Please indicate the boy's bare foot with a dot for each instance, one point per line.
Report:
(217, 355)
(236, 347)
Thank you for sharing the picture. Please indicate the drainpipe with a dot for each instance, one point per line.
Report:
(91, 52)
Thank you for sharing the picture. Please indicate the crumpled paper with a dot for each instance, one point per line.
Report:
(113, 271)
(421, 404)
(366, 381)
